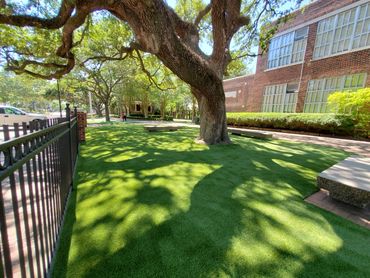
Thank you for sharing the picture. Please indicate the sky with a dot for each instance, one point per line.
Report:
(252, 64)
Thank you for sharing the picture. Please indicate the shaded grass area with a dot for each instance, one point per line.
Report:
(160, 205)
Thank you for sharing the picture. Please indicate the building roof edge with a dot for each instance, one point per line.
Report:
(242, 76)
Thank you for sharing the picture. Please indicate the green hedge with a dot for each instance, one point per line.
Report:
(150, 117)
(308, 122)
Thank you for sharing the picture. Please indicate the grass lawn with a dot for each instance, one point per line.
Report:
(160, 205)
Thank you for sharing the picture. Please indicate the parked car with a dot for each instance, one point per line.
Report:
(10, 115)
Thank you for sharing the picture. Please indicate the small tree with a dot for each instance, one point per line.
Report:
(356, 103)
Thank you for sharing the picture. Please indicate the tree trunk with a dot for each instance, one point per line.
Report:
(99, 112)
(107, 116)
(163, 108)
(213, 127)
(98, 109)
(193, 109)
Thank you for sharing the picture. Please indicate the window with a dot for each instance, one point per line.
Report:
(17, 111)
(2, 111)
(137, 108)
(280, 98)
(318, 90)
(230, 94)
(362, 30)
(288, 48)
(343, 32)
(10, 111)
(299, 45)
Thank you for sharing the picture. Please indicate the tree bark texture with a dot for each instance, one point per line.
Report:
(106, 110)
(213, 126)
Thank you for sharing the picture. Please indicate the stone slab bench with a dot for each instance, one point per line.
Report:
(154, 128)
(250, 133)
(348, 181)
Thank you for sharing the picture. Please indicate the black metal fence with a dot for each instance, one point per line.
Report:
(36, 175)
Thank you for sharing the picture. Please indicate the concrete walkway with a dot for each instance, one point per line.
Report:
(353, 146)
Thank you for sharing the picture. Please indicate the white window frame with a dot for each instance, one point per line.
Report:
(281, 49)
(338, 30)
(230, 94)
(276, 99)
(318, 91)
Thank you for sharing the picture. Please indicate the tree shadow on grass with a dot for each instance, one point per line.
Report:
(241, 214)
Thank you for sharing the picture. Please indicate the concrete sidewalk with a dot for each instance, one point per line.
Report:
(353, 146)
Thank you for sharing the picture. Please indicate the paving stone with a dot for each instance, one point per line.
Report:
(348, 181)
(360, 216)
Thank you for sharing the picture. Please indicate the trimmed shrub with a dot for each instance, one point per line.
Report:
(154, 117)
(134, 115)
(308, 122)
(355, 104)
(150, 117)
(168, 118)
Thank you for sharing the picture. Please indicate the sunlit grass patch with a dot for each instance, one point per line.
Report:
(159, 205)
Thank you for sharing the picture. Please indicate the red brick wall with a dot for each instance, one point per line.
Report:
(242, 86)
(353, 62)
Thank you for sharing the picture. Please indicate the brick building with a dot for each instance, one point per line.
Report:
(324, 48)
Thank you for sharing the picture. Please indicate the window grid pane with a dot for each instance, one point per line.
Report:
(362, 30)
(324, 37)
(276, 99)
(288, 48)
(318, 90)
(343, 32)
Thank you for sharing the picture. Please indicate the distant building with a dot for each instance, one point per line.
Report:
(324, 48)
(137, 107)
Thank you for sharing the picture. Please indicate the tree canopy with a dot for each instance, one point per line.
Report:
(43, 39)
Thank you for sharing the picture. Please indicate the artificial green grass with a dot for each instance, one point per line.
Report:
(160, 205)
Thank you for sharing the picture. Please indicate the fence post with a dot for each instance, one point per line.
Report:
(68, 117)
(77, 130)
(68, 112)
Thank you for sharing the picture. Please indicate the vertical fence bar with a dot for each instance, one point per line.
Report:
(41, 188)
(68, 113)
(39, 166)
(48, 194)
(24, 205)
(77, 135)
(32, 205)
(39, 213)
(5, 237)
(15, 207)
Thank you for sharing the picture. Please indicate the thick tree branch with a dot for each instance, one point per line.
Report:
(202, 14)
(57, 22)
(59, 72)
(84, 32)
(226, 21)
(71, 25)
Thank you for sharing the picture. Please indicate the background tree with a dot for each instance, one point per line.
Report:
(102, 80)
(157, 29)
(24, 92)
(70, 90)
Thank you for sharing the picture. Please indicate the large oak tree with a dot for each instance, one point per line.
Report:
(159, 30)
